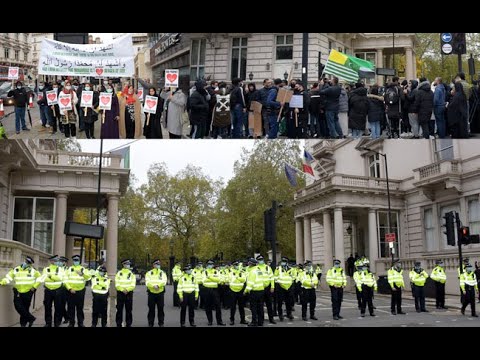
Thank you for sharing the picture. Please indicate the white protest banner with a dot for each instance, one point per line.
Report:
(150, 104)
(140, 94)
(114, 59)
(87, 99)
(105, 101)
(64, 102)
(40, 96)
(13, 73)
(52, 97)
(296, 102)
(171, 77)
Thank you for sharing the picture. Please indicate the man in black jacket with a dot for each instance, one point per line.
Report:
(20, 99)
(200, 108)
(332, 94)
(262, 99)
(424, 106)
(46, 114)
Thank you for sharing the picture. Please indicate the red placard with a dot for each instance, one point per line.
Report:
(390, 237)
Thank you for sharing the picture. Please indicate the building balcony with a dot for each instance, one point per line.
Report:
(89, 160)
(444, 172)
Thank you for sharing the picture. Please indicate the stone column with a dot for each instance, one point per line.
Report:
(338, 228)
(372, 238)
(327, 239)
(112, 233)
(410, 59)
(379, 64)
(60, 218)
(307, 238)
(299, 241)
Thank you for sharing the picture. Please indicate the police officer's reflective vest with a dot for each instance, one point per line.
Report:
(255, 280)
(395, 278)
(418, 279)
(237, 280)
(309, 280)
(52, 277)
(438, 274)
(155, 277)
(467, 278)
(187, 284)
(176, 273)
(336, 277)
(267, 272)
(198, 274)
(211, 279)
(76, 277)
(284, 277)
(25, 279)
(368, 279)
(100, 284)
(125, 280)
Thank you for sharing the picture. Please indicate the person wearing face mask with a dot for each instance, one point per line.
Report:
(358, 283)
(468, 284)
(62, 264)
(187, 291)
(130, 114)
(46, 114)
(212, 300)
(52, 278)
(269, 286)
(69, 117)
(155, 280)
(110, 126)
(76, 278)
(176, 274)
(125, 283)
(438, 275)
(337, 281)
(418, 277)
(395, 280)
(87, 115)
(309, 297)
(154, 128)
(100, 287)
(236, 282)
(20, 99)
(284, 279)
(366, 285)
(26, 281)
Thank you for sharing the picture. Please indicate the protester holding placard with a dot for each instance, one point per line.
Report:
(20, 99)
(130, 114)
(89, 101)
(56, 115)
(175, 103)
(298, 123)
(152, 128)
(273, 109)
(221, 121)
(46, 114)
(68, 117)
(110, 119)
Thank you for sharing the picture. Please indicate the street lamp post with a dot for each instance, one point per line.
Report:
(250, 76)
(393, 50)
(285, 75)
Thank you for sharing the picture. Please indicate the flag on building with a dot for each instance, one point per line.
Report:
(349, 68)
(291, 174)
(307, 160)
(125, 154)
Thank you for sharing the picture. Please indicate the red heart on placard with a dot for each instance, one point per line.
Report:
(13, 72)
(172, 77)
(151, 103)
(51, 97)
(105, 100)
(65, 101)
(86, 98)
(99, 71)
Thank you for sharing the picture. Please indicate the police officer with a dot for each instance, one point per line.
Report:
(438, 275)
(256, 289)
(187, 292)
(466, 261)
(236, 283)
(155, 280)
(366, 285)
(468, 284)
(211, 281)
(395, 280)
(100, 287)
(52, 278)
(63, 289)
(309, 284)
(176, 273)
(27, 280)
(125, 283)
(284, 281)
(269, 286)
(337, 280)
(318, 272)
(356, 278)
(75, 278)
(418, 277)
(198, 273)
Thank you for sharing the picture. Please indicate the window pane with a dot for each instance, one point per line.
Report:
(23, 208)
(244, 42)
(289, 39)
(474, 216)
(443, 210)
(193, 73)
(201, 71)
(284, 52)
(235, 60)
(203, 46)
(42, 238)
(243, 65)
(44, 209)
(236, 42)
(280, 39)
(194, 59)
(22, 232)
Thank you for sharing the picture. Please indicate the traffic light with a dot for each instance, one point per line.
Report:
(459, 43)
(267, 218)
(450, 228)
(464, 235)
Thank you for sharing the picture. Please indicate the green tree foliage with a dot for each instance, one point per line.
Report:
(70, 145)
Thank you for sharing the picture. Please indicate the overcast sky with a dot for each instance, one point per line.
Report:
(215, 157)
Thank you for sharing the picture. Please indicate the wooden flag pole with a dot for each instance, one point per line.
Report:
(85, 111)
(285, 95)
(296, 120)
(103, 117)
(148, 119)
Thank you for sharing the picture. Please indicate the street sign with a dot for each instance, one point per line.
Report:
(447, 49)
(447, 37)
(390, 238)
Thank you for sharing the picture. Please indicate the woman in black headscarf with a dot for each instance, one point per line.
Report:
(153, 130)
(457, 113)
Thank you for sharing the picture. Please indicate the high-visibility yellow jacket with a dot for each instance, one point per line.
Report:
(318, 270)
(395, 278)
(52, 277)
(212, 278)
(336, 277)
(438, 274)
(100, 284)
(284, 277)
(255, 280)
(237, 280)
(366, 278)
(156, 277)
(25, 279)
(267, 274)
(176, 273)
(76, 277)
(198, 274)
(418, 279)
(187, 285)
(309, 280)
(125, 280)
(468, 279)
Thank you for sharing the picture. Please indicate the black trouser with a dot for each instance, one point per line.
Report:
(99, 309)
(469, 298)
(22, 302)
(158, 301)
(439, 294)
(129, 127)
(367, 296)
(359, 297)
(63, 307)
(309, 297)
(396, 300)
(425, 129)
(173, 136)
(268, 302)
(297, 290)
(287, 297)
(176, 298)
(188, 300)
(212, 301)
(89, 128)
(337, 297)
(419, 294)
(237, 297)
(127, 301)
(69, 130)
(75, 303)
(53, 297)
(256, 306)
(201, 292)
(394, 125)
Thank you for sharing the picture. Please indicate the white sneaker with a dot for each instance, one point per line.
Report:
(47, 126)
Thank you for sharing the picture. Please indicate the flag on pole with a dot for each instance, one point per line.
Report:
(349, 68)
(125, 154)
(291, 174)
(307, 160)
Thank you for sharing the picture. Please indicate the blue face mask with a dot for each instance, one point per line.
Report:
(59, 263)
(24, 265)
(188, 272)
(209, 266)
(19, 87)
(337, 266)
(102, 273)
(261, 262)
(126, 266)
(156, 266)
(109, 90)
(76, 263)
(87, 88)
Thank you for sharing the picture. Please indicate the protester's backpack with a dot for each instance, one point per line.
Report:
(392, 96)
(221, 111)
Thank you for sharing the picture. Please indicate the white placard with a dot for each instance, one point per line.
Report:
(140, 94)
(105, 101)
(296, 102)
(13, 73)
(114, 59)
(171, 77)
(52, 97)
(40, 96)
(65, 102)
(150, 104)
(87, 99)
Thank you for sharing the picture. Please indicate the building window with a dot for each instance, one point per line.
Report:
(474, 216)
(443, 149)
(374, 165)
(330, 45)
(443, 210)
(239, 58)
(25, 56)
(33, 222)
(382, 229)
(429, 230)
(25, 36)
(17, 53)
(7, 53)
(197, 59)
(284, 49)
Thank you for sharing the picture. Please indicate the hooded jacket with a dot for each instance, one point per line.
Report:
(376, 108)
(343, 101)
(332, 95)
(199, 105)
(424, 102)
(410, 98)
(358, 109)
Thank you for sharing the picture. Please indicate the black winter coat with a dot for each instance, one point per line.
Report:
(424, 102)
(376, 109)
(20, 97)
(358, 109)
(199, 108)
(315, 101)
(332, 95)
